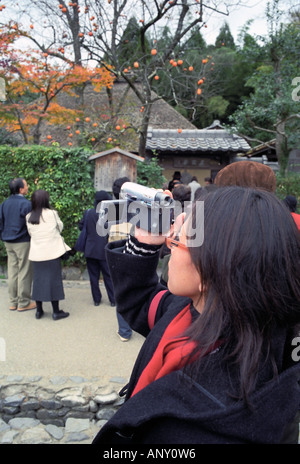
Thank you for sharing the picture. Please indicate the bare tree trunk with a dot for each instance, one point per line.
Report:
(144, 130)
(281, 145)
(281, 140)
(37, 133)
(146, 119)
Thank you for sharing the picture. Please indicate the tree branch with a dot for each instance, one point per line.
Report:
(253, 125)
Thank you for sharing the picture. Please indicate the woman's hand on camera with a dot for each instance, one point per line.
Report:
(144, 236)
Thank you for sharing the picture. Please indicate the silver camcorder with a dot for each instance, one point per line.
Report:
(144, 207)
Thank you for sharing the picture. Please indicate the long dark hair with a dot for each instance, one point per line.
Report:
(249, 270)
(39, 200)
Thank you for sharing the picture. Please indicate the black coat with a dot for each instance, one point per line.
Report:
(95, 244)
(12, 219)
(176, 409)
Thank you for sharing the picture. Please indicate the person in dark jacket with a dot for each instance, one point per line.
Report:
(221, 364)
(291, 202)
(176, 180)
(94, 252)
(120, 231)
(15, 236)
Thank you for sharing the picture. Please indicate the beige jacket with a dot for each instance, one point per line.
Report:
(46, 242)
(119, 231)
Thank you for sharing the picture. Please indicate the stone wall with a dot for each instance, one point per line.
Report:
(54, 401)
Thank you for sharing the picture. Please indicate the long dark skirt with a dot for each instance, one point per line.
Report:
(47, 281)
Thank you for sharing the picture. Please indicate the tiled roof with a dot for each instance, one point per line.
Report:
(195, 140)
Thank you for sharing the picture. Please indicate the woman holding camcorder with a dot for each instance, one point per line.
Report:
(220, 362)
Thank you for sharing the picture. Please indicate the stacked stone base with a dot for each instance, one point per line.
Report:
(57, 402)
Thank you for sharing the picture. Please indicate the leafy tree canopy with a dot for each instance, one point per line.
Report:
(225, 38)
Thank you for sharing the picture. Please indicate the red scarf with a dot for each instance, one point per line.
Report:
(171, 352)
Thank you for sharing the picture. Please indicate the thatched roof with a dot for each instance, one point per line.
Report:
(97, 106)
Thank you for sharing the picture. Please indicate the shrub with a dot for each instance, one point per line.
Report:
(288, 185)
(149, 173)
(65, 173)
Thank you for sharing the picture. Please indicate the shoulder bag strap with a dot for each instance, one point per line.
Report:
(153, 308)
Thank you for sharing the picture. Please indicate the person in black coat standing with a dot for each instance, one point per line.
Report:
(94, 252)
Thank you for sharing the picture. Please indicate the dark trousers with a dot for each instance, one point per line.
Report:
(124, 329)
(94, 267)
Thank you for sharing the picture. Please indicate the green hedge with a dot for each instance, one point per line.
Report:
(289, 185)
(65, 173)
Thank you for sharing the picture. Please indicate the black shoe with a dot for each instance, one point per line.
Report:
(97, 303)
(39, 314)
(112, 304)
(59, 315)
